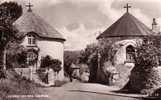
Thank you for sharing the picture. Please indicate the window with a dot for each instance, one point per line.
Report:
(130, 54)
(31, 40)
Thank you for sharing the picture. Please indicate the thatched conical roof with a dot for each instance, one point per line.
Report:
(126, 26)
(30, 22)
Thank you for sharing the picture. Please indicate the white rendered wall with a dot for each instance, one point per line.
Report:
(25, 41)
(55, 49)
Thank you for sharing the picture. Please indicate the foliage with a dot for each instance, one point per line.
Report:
(106, 50)
(17, 60)
(21, 58)
(149, 53)
(17, 56)
(56, 65)
(19, 86)
(145, 77)
(90, 56)
(69, 58)
(48, 62)
(9, 12)
(89, 52)
(32, 54)
(45, 62)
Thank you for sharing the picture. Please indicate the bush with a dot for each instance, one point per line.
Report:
(48, 62)
(56, 65)
(147, 56)
(42, 75)
(145, 77)
(17, 56)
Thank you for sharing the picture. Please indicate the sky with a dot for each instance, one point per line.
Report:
(81, 21)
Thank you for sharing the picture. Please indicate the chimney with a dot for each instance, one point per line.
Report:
(155, 27)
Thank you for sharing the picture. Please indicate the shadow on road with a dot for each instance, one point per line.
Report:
(134, 96)
(110, 93)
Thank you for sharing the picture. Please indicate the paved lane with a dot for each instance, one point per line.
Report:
(79, 91)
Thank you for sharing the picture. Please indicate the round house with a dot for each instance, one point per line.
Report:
(40, 39)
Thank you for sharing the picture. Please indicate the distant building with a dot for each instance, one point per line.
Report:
(80, 72)
(40, 39)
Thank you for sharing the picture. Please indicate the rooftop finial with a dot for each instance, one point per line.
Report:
(154, 22)
(29, 5)
(127, 7)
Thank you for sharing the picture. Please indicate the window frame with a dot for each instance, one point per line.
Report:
(31, 40)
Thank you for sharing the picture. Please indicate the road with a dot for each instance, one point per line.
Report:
(84, 91)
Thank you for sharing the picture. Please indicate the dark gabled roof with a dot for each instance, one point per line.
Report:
(30, 22)
(126, 26)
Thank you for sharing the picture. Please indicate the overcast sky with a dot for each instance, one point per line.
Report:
(80, 21)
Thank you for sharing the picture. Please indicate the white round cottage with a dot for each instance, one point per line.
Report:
(40, 36)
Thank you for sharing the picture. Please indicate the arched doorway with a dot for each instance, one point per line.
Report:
(130, 54)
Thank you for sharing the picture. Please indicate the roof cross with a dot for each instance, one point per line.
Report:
(127, 7)
(29, 5)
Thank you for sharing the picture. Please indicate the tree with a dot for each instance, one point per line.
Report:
(48, 62)
(17, 54)
(91, 49)
(16, 58)
(54, 64)
(95, 55)
(9, 12)
(69, 58)
(147, 54)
